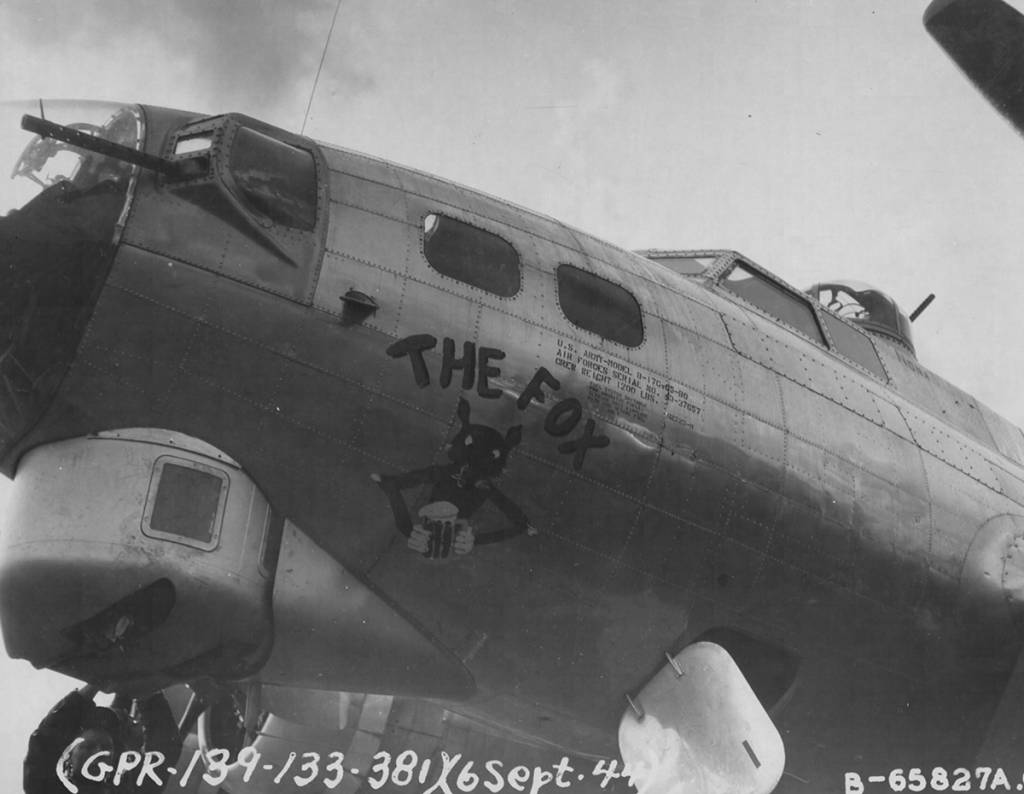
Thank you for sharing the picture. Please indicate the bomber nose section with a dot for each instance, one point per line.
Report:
(49, 279)
(60, 208)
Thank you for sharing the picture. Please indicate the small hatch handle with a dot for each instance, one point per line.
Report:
(357, 307)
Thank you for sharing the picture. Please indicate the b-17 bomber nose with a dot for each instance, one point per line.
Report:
(51, 266)
(60, 211)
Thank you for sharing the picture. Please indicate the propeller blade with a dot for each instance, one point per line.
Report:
(986, 40)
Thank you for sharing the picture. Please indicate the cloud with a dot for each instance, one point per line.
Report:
(253, 56)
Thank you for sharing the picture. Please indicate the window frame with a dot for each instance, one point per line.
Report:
(661, 256)
(271, 543)
(443, 216)
(253, 248)
(781, 286)
(883, 376)
(151, 498)
(243, 142)
(718, 273)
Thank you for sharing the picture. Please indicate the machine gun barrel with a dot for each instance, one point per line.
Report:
(93, 143)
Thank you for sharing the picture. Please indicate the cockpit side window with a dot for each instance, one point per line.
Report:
(275, 179)
(854, 344)
(773, 299)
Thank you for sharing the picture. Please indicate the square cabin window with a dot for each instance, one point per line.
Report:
(185, 503)
(600, 306)
(471, 255)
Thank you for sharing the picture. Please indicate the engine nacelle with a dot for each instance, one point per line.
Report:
(138, 557)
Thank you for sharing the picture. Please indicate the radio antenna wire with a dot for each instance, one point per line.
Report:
(320, 68)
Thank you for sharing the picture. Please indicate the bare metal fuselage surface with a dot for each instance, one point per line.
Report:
(850, 534)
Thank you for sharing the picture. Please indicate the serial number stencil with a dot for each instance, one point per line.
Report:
(981, 778)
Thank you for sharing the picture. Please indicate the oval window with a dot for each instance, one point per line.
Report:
(471, 255)
(597, 305)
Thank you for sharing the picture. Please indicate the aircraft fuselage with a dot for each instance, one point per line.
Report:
(721, 472)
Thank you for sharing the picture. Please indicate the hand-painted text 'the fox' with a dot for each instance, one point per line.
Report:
(476, 368)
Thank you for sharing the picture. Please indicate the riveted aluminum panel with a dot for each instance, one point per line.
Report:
(689, 315)
(677, 491)
(813, 369)
(340, 274)
(750, 512)
(802, 362)
(626, 389)
(433, 189)
(809, 542)
(653, 272)
(934, 395)
(621, 396)
(432, 309)
(373, 239)
(822, 481)
(733, 575)
(887, 455)
(948, 447)
(707, 503)
(874, 514)
(367, 253)
(673, 552)
(891, 417)
(1011, 481)
(549, 254)
(1008, 438)
(819, 419)
(761, 390)
(368, 195)
(523, 325)
(687, 354)
(950, 535)
(447, 198)
(361, 166)
(718, 369)
(601, 251)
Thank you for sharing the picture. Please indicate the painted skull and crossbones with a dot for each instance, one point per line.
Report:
(477, 455)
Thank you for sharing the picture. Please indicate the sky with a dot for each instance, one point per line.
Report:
(822, 138)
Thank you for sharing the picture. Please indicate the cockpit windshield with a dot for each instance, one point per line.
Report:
(31, 166)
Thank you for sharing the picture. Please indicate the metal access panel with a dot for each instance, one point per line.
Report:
(698, 728)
